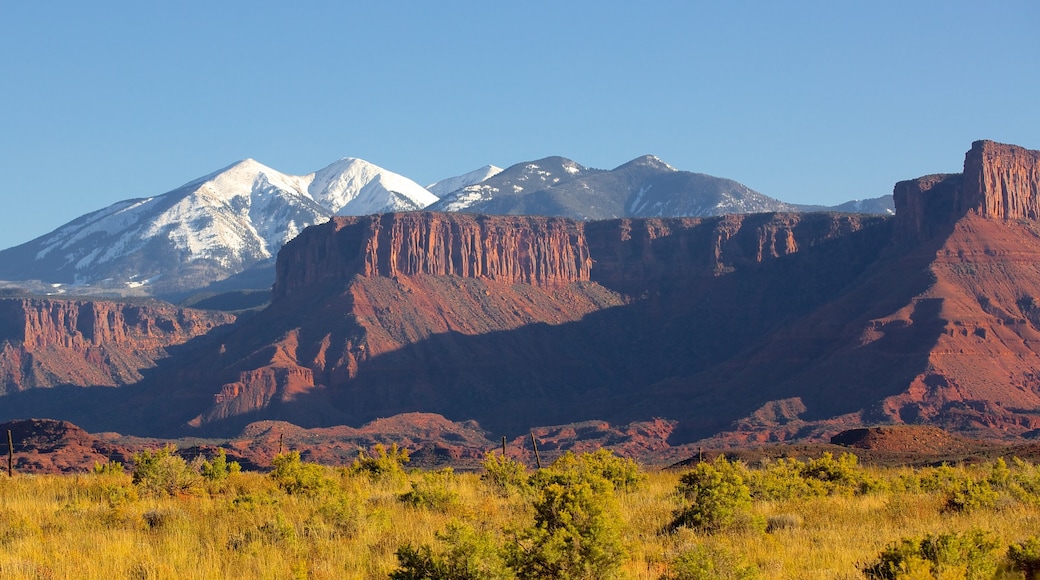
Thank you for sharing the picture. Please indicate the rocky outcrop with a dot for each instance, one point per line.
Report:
(46, 342)
(999, 182)
(543, 252)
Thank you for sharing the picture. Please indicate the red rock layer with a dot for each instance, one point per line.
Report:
(48, 342)
(999, 181)
(543, 252)
(1002, 181)
(358, 293)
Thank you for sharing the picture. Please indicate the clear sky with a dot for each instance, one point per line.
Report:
(811, 102)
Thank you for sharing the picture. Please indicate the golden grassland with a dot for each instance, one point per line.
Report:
(351, 522)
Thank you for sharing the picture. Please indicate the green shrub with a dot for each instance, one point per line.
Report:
(969, 555)
(623, 473)
(710, 563)
(717, 498)
(109, 467)
(969, 496)
(503, 474)
(382, 463)
(467, 555)
(433, 491)
(780, 480)
(163, 472)
(1025, 557)
(295, 476)
(219, 468)
(576, 531)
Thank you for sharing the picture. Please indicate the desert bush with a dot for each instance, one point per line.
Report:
(382, 462)
(467, 555)
(970, 495)
(1025, 557)
(109, 467)
(296, 476)
(576, 531)
(842, 475)
(623, 473)
(970, 555)
(717, 498)
(779, 480)
(163, 472)
(704, 562)
(503, 474)
(219, 468)
(433, 491)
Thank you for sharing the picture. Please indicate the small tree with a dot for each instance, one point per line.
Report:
(163, 472)
(716, 497)
(503, 474)
(296, 476)
(576, 532)
(383, 462)
(219, 468)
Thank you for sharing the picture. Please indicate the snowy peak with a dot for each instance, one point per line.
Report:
(354, 186)
(649, 162)
(450, 184)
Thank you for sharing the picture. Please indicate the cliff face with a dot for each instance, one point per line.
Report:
(1002, 181)
(471, 315)
(999, 182)
(542, 252)
(49, 342)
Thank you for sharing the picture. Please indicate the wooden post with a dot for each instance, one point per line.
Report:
(10, 454)
(537, 458)
(503, 446)
(280, 435)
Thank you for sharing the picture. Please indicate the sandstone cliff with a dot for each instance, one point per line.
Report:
(543, 252)
(46, 342)
(469, 315)
(999, 181)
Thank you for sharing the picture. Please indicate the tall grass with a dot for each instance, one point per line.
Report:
(105, 526)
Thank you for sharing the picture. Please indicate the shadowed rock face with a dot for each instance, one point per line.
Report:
(47, 342)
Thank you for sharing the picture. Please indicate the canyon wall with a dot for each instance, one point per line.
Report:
(540, 251)
(46, 342)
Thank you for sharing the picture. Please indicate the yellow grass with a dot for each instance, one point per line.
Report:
(90, 526)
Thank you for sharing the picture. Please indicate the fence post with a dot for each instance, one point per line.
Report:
(10, 454)
(537, 458)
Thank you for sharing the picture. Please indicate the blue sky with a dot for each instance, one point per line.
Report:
(811, 102)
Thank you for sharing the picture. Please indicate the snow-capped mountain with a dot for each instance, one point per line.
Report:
(207, 229)
(643, 187)
(224, 230)
(446, 186)
(356, 187)
(506, 192)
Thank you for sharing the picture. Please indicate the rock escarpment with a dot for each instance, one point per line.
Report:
(542, 252)
(513, 320)
(999, 182)
(47, 342)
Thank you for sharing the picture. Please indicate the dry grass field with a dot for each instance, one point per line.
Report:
(589, 516)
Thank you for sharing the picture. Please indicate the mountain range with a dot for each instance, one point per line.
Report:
(733, 329)
(221, 232)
